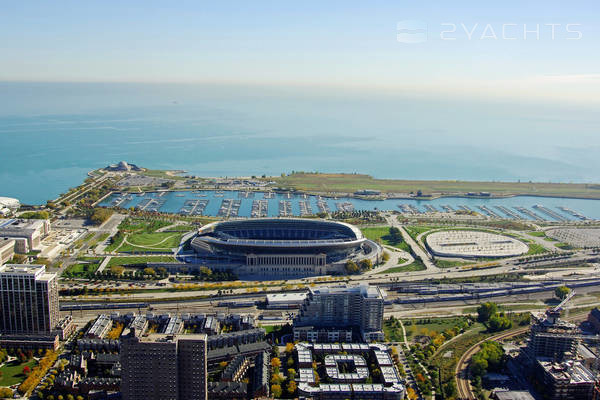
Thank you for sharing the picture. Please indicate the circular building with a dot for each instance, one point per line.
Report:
(277, 247)
(8, 205)
(474, 244)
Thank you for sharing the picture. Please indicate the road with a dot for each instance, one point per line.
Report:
(463, 383)
(422, 254)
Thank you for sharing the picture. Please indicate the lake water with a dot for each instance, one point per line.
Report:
(173, 202)
(52, 134)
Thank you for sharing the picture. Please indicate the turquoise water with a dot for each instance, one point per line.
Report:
(174, 201)
(51, 134)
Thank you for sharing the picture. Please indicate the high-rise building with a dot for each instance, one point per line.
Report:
(552, 337)
(163, 367)
(28, 299)
(343, 307)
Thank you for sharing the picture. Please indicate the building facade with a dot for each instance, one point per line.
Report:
(28, 299)
(7, 250)
(164, 367)
(344, 307)
(33, 230)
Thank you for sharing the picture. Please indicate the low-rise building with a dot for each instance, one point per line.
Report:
(33, 230)
(29, 341)
(594, 319)
(262, 368)
(236, 338)
(100, 327)
(66, 327)
(284, 301)
(566, 380)
(324, 335)
(235, 370)
(7, 250)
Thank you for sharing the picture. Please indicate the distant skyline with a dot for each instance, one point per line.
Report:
(492, 50)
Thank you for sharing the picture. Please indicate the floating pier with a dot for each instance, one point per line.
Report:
(285, 208)
(305, 208)
(322, 205)
(509, 212)
(193, 207)
(260, 208)
(529, 213)
(551, 213)
(344, 206)
(573, 213)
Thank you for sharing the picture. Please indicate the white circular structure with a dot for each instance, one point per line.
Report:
(474, 244)
(10, 203)
(585, 237)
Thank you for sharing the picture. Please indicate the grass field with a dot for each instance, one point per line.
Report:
(12, 372)
(138, 260)
(535, 248)
(81, 269)
(437, 325)
(349, 183)
(150, 242)
(415, 266)
(451, 264)
(537, 233)
(383, 234)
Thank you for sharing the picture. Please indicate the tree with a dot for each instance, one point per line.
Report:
(289, 347)
(498, 323)
(351, 267)
(149, 271)
(366, 264)
(276, 390)
(117, 270)
(562, 292)
(490, 357)
(291, 373)
(411, 394)
(486, 310)
(6, 393)
(291, 387)
(26, 370)
(275, 362)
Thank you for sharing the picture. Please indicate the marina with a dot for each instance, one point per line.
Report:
(285, 208)
(266, 204)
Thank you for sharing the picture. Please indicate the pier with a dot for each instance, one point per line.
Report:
(573, 213)
(285, 208)
(322, 205)
(151, 204)
(430, 208)
(193, 207)
(509, 212)
(229, 208)
(549, 212)
(305, 208)
(447, 208)
(489, 212)
(260, 208)
(344, 206)
(529, 213)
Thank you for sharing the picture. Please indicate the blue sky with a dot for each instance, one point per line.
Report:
(333, 43)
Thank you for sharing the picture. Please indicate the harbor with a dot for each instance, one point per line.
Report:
(256, 204)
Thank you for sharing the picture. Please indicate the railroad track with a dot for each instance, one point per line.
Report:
(461, 371)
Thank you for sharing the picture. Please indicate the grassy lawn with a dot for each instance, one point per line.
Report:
(415, 231)
(415, 327)
(81, 241)
(143, 225)
(99, 239)
(151, 241)
(12, 372)
(451, 264)
(392, 331)
(537, 233)
(81, 269)
(349, 183)
(383, 234)
(138, 260)
(564, 246)
(270, 328)
(415, 266)
(535, 248)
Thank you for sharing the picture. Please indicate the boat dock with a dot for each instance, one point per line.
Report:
(322, 206)
(229, 208)
(573, 213)
(193, 207)
(430, 208)
(260, 208)
(345, 206)
(151, 204)
(509, 212)
(489, 212)
(245, 195)
(447, 208)
(305, 208)
(121, 199)
(465, 208)
(285, 208)
(529, 213)
(549, 212)
(268, 195)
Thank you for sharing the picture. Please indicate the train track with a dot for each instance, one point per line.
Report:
(461, 372)
(463, 383)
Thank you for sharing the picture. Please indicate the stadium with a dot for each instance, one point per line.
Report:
(474, 244)
(279, 248)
